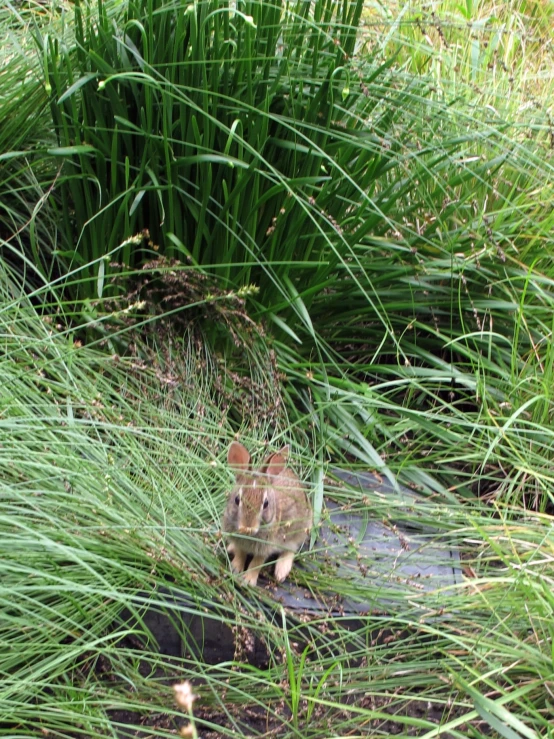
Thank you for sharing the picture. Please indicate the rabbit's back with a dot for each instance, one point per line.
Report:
(294, 512)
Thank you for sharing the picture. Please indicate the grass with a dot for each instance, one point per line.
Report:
(113, 484)
(173, 124)
(501, 51)
(397, 316)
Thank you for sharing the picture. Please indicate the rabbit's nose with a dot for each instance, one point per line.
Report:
(246, 530)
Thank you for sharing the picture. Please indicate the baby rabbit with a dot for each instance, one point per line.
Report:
(267, 512)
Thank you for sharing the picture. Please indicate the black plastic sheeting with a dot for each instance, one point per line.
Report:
(391, 557)
(361, 549)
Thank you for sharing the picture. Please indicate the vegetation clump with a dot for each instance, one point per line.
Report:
(294, 222)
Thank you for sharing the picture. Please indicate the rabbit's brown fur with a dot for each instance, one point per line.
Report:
(267, 513)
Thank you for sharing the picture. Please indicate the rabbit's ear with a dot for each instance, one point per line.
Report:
(238, 457)
(276, 463)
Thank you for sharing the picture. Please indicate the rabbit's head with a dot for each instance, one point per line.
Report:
(252, 502)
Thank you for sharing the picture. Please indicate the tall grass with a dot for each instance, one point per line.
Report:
(492, 52)
(409, 274)
(396, 316)
(198, 122)
(113, 481)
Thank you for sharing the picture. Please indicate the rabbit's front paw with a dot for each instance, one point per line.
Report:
(250, 577)
(283, 566)
(239, 560)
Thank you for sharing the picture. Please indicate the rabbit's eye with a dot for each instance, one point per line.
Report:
(237, 499)
(266, 503)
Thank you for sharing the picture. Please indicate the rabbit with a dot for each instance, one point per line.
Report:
(267, 513)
